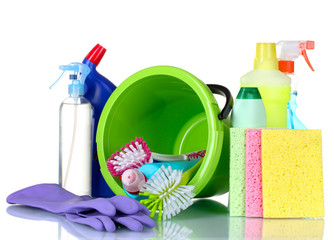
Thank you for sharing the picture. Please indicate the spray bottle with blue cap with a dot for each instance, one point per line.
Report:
(75, 133)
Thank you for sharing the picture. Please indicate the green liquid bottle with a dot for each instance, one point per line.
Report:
(248, 110)
(274, 86)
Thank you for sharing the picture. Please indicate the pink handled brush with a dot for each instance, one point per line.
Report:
(133, 155)
(133, 180)
(137, 153)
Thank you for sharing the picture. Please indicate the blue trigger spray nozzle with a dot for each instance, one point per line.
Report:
(78, 77)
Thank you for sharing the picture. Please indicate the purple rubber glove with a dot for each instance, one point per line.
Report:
(94, 220)
(126, 205)
(98, 213)
(133, 216)
(53, 198)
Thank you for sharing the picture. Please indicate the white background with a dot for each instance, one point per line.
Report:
(214, 40)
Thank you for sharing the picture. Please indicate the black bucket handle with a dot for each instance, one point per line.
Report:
(221, 90)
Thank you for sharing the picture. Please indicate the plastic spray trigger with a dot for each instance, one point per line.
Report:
(79, 72)
(308, 45)
(288, 51)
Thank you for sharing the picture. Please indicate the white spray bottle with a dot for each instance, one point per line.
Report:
(75, 133)
(288, 51)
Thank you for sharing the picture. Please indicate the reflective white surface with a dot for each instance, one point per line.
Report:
(205, 219)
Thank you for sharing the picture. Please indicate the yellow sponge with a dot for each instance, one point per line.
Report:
(292, 174)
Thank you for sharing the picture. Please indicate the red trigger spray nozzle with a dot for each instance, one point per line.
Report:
(308, 45)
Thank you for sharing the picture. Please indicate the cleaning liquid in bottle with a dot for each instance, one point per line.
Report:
(97, 90)
(75, 133)
(248, 110)
(274, 86)
(288, 51)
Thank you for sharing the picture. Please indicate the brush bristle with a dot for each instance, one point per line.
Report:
(166, 194)
(133, 155)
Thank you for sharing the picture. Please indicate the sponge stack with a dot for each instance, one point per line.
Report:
(292, 175)
(276, 173)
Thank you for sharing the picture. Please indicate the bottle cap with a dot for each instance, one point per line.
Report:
(286, 66)
(265, 57)
(249, 93)
(96, 54)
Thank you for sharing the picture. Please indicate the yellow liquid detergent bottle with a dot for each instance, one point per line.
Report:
(274, 86)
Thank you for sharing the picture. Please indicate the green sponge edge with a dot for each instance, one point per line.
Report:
(237, 196)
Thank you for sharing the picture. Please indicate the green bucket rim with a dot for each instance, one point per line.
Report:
(215, 126)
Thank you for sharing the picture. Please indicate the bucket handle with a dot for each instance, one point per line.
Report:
(221, 90)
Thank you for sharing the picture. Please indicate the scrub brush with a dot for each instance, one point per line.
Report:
(137, 153)
(166, 194)
(133, 155)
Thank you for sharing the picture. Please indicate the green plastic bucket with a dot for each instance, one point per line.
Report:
(175, 113)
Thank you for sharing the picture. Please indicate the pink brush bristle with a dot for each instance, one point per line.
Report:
(133, 155)
(133, 143)
(196, 155)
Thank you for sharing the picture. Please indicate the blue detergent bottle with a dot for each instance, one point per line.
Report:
(97, 90)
